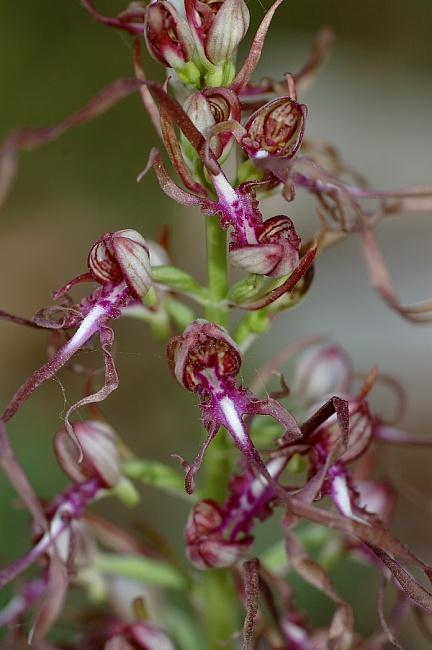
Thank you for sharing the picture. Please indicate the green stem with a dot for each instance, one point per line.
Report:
(217, 271)
(220, 601)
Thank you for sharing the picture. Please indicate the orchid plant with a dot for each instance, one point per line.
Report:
(232, 142)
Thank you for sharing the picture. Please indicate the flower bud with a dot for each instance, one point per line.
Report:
(167, 35)
(276, 254)
(100, 456)
(122, 256)
(203, 346)
(218, 27)
(205, 545)
(210, 107)
(323, 370)
(275, 129)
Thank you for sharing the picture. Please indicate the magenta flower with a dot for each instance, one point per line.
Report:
(205, 360)
(119, 263)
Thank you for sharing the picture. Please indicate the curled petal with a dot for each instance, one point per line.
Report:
(381, 281)
(19, 320)
(317, 58)
(341, 629)
(131, 22)
(168, 186)
(89, 326)
(192, 470)
(271, 407)
(106, 336)
(171, 113)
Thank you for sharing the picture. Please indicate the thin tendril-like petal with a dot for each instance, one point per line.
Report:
(185, 124)
(147, 99)
(415, 591)
(89, 326)
(380, 279)
(27, 138)
(111, 382)
(111, 22)
(19, 320)
(192, 470)
(335, 405)
(375, 534)
(317, 58)
(167, 185)
(19, 480)
(175, 152)
(53, 599)
(341, 628)
(254, 55)
(252, 589)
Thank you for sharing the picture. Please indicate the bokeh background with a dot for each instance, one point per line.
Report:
(373, 101)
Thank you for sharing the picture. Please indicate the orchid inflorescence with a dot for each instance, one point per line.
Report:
(322, 449)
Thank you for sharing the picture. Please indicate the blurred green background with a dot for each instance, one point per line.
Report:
(373, 101)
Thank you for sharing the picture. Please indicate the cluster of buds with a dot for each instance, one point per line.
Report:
(199, 40)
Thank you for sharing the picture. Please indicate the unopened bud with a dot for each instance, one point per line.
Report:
(275, 129)
(167, 35)
(210, 107)
(228, 29)
(100, 456)
(203, 346)
(122, 256)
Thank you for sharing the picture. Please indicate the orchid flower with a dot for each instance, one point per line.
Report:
(205, 360)
(119, 263)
